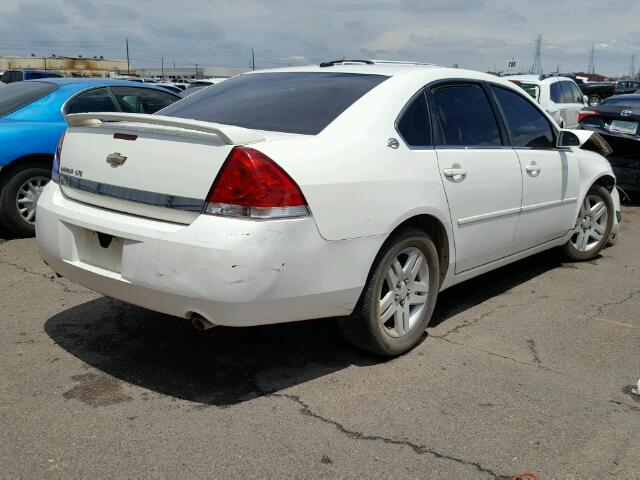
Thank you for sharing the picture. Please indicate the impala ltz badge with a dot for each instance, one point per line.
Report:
(115, 159)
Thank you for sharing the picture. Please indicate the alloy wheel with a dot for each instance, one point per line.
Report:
(27, 198)
(404, 292)
(591, 224)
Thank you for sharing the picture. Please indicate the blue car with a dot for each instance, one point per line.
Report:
(32, 121)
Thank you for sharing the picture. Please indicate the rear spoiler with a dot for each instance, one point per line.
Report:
(228, 134)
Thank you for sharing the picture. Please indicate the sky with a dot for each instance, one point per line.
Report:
(475, 34)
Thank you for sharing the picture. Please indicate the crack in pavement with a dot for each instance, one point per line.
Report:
(494, 354)
(420, 449)
(534, 352)
(600, 310)
(474, 321)
(52, 278)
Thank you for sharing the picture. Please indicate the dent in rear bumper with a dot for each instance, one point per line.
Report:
(231, 271)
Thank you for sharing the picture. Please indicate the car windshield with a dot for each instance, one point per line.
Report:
(532, 89)
(622, 100)
(293, 102)
(18, 94)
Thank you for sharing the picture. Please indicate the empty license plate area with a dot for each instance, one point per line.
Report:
(101, 250)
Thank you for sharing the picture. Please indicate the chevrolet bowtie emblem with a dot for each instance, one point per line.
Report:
(115, 159)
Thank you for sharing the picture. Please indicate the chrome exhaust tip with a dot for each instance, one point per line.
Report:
(201, 323)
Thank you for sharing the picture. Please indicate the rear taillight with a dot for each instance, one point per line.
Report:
(251, 185)
(55, 168)
(584, 114)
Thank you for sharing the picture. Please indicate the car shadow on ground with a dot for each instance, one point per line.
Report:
(226, 366)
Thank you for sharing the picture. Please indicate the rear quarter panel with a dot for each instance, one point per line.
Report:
(357, 186)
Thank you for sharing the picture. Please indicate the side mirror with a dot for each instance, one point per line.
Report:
(568, 139)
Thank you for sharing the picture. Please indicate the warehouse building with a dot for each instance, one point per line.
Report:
(69, 66)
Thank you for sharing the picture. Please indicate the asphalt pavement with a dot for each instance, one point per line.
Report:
(527, 369)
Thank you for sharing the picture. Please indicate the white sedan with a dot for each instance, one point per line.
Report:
(355, 189)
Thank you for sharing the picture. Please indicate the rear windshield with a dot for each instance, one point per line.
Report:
(532, 89)
(622, 100)
(293, 102)
(18, 94)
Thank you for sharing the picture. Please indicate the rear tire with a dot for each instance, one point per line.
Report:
(593, 225)
(19, 196)
(398, 299)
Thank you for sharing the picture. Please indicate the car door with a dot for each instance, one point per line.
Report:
(574, 102)
(550, 176)
(481, 176)
(557, 107)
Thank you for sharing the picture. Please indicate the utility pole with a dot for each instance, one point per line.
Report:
(536, 68)
(196, 71)
(632, 72)
(253, 60)
(592, 64)
(126, 41)
(162, 66)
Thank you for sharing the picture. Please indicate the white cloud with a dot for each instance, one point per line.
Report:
(473, 33)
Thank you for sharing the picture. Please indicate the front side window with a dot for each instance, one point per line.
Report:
(293, 102)
(96, 100)
(556, 93)
(527, 126)
(413, 125)
(465, 116)
(575, 93)
(142, 100)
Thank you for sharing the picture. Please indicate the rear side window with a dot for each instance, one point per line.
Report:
(142, 100)
(466, 117)
(556, 92)
(526, 124)
(413, 124)
(11, 76)
(294, 102)
(17, 95)
(96, 100)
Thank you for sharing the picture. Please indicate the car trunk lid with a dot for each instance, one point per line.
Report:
(152, 166)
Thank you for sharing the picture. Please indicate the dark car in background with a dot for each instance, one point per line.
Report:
(596, 91)
(617, 119)
(627, 86)
(10, 76)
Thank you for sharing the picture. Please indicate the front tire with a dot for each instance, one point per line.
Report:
(593, 225)
(594, 100)
(398, 299)
(19, 196)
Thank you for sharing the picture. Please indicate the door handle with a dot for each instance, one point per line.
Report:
(455, 171)
(534, 169)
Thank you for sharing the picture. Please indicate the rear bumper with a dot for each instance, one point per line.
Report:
(232, 272)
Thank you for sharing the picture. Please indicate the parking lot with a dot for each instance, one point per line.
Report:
(526, 369)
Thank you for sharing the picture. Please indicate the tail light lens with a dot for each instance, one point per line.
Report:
(584, 114)
(251, 185)
(55, 168)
